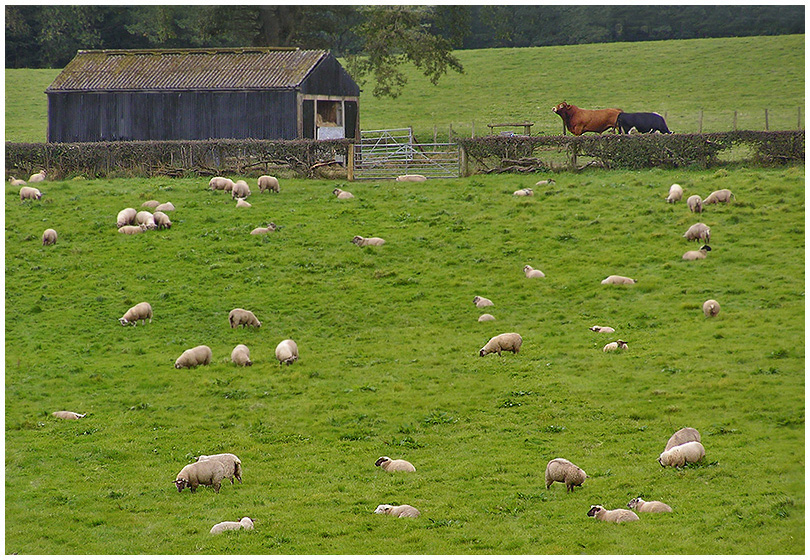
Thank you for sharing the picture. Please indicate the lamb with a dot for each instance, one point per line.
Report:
(649, 507)
(397, 511)
(684, 435)
(232, 464)
(613, 346)
(694, 203)
(679, 455)
(597, 328)
(544, 182)
(412, 178)
(132, 230)
(268, 183)
(165, 207)
(675, 193)
(126, 217)
(342, 195)
(193, 357)
(240, 189)
(261, 230)
(139, 312)
(532, 273)
(241, 316)
(244, 523)
(286, 352)
(150, 204)
(37, 177)
(68, 415)
(220, 183)
(394, 465)
(206, 473)
(242, 203)
(482, 301)
(524, 192)
(368, 241)
(162, 221)
(505, 342)
(711, 308)
(486, 317)
(241, 355)
(562, 470)
(612, 515)
(723, 195)
(16, 182)
(698, 232)
(49, 237)
(614, 279)
(146, 218)
(696, 255)
(30, 192)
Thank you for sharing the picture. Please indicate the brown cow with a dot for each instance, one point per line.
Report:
(578, 120)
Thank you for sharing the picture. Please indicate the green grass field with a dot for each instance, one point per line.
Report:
(389, 365)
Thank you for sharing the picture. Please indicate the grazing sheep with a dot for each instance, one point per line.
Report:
(412, 178)
(221, 184)
(150, 204)
(649, 507)
(244, 523)
(544, 182)
(486, 317)
(563, 470)
(68, 415)
(698, 232)
(232, 464)
(397, 511)
(679, 455)
(206, 473)
(342, 195)
(242, 203)
(162, 221)
(132, 230)
(367, 241)
(241, 316)
(694, 203)
(16, 182)
(696, 255)
(532, 273)
(286, 352)
(30, 192)
(506, 342)
(613, 346)
(139, 312)
(165, 207)
(126, 217)
(684, 435)
(49, 237)
(612, 515)
(482, 301)
(597, 328)
(711, 308)
(262, 230)
(37, 177)
(241, 355)
(524, 192)
(614, 279)
(268, 183)
(394, 465)
(240, 189)
(723, 195)
(146, 218)
(675, 193)
(193, 357)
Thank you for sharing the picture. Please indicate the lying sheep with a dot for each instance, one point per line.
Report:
(16, 182)
(679, 455)
(126, 217)
(684, 435)
(146, 218)
(193, 357)
(696, 255)
(342, 195)
(412, 178)
(162, 221)
(139, 312)
(132, 230)
(532, 273)
(367, 241)
(241, 355)
(614, 279)
(68, 415)
(268, 183)
(612, 515)
(506, 342)
(286, 352)
(262, 230)
(37, 177)
(232, 464)
(698, 232)
(524, 192)
(597, 328)
(723, 195)
(240, 189)
(694, 203)
(205, 473)
(482, 301)
(544, 182)
(563, 470)
(486, 317)
(242, 203)
(150, 204)
(30, 192)
(711, 308)
(49, 237)
(241, 316)
(613, 346)
(221, 184)
(244, 523)
(397, 511)
(649, 507)
(165, 207)
(394, 465)
(675, 193)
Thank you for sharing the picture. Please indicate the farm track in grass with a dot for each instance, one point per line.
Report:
(389, 365)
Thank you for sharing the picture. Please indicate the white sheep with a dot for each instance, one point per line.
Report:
(675, 193)
(30, 192)
(126, 217)
(482, 301)
(193, 357)
(394, 465)
(242, 203)
(68, 415)
(505, 342)
(244, 523)
(240, 189)
(132, 230)
(614, 279)
(16, 182)
(146, 218)
(268, 183)
(368, 241)
(485, 317)
(397, 511)
(412, 178)
(241, 355)
(598, 329)
(342, 195)
(524, 192)
(220, 183)
(232, 464)
(723, 195)
(711, 308)
(612, 515)
(544, 182)
(205, 473)
(532, 273)
(698, 232)
(239, 316)
(684, 435)
(262, 230)
(649, 507)
(162, 221)
(694, 203)
(165, 207)
(150, 204)
(49, 237)
(286, 352)
(696, 255)
(37, 177)
(140, 312)
(563, 470)
(613, 346)
(679, 455)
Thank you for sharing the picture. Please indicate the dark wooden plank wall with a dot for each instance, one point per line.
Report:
(330, 78)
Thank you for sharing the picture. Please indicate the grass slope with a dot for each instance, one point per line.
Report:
(389, 366)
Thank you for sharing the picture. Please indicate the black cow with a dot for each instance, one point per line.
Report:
(642, 122)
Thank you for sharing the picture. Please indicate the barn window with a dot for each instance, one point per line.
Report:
(330, 113)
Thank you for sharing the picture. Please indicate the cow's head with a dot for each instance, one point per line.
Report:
(561, 109)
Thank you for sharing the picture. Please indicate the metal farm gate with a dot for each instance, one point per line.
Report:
(386, 154)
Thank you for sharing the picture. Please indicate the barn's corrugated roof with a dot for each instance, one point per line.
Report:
(187, 69)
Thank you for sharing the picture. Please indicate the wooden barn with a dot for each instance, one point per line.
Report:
(199, 94)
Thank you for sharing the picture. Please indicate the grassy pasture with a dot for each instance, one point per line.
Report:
(389, 366)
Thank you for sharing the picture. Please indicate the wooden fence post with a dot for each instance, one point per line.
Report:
(350, 166)
(450, 135)
(766, 119)
(434, 133)
(473, 130)
(462, 161)
(700, 122)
